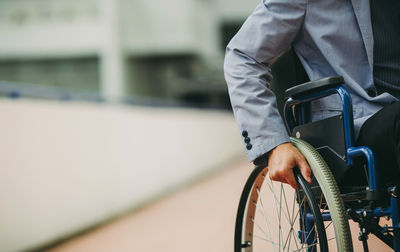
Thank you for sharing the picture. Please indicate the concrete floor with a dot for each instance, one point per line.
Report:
(197, 219)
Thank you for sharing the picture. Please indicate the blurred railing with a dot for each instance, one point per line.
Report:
(24, 90)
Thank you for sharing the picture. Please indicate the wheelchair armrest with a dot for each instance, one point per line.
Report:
(307, 92)
(312, 86)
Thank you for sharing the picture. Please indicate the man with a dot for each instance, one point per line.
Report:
(357, 39)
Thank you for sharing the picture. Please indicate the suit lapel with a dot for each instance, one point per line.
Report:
(363, 15)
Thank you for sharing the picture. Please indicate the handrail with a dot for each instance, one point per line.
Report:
(19, 90)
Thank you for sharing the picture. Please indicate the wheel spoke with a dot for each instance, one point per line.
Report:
(262, 212)
(262, 238)
(286, 241)
(328, 225)
(294, 203)
(259, 227)
(309, 246)
(278, 212)
(271, 187)
(287, 207)
(310, 232)
(295, 238)
(298, 211)
(293, 220)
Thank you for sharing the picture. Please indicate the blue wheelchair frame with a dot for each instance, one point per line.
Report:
(374, 187)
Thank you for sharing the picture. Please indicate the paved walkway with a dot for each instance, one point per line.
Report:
(197, 219)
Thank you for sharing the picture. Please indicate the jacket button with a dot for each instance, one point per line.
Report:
(245, 133)
(247, 140)
(371, 92)
(249, 146)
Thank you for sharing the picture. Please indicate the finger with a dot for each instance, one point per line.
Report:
(291, 180)
(305, 169)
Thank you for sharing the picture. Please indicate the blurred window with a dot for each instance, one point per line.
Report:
(228, 30)
(81, 74)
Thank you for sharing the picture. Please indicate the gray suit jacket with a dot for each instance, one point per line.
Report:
(331, 37)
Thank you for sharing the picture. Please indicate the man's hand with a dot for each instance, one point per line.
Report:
(282, 160)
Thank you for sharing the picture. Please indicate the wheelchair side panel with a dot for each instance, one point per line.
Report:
(327, 137)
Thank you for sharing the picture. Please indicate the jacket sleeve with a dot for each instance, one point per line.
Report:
(266, 34)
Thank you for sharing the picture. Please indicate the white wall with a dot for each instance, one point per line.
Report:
(65, 166)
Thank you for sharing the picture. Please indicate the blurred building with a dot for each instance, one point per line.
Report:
(69, 166)
(167, 49)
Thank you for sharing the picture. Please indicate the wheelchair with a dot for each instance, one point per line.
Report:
(273, 217)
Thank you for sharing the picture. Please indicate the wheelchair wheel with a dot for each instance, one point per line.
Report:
(273, 217)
